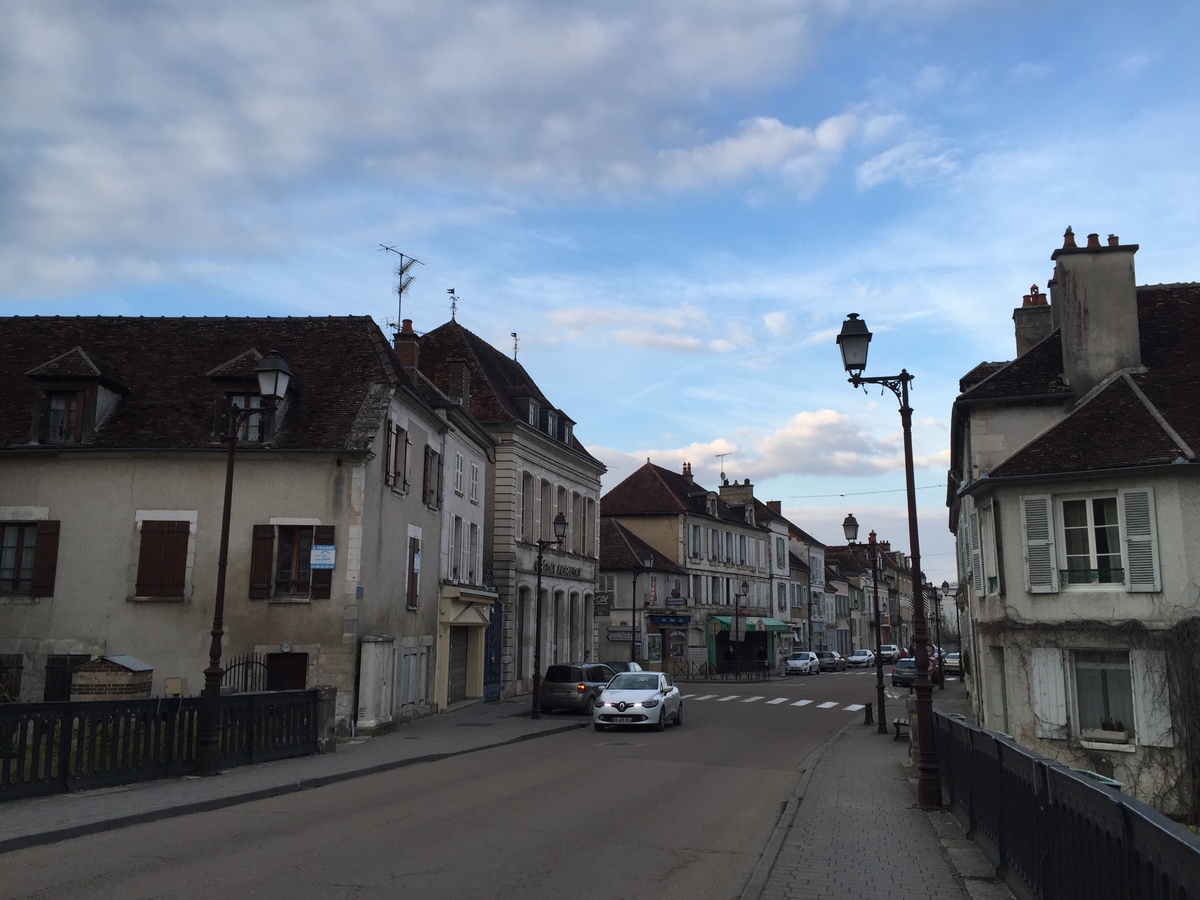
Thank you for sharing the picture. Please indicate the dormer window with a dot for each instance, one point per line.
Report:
(566, 432)
(64, 417)
(253, 428)
(75, 393)
(551, 424)
(250, 382)
(533, 413)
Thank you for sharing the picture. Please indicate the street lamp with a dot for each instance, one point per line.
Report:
(853, 341)
(635, 613)
(937, 606)
(850, 528)
(273, 377)
(560, 533)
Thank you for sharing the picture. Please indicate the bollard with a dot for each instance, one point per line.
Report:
(869, 713)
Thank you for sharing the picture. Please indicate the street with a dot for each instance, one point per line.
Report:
(684, 813)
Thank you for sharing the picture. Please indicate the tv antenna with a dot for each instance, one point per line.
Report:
(515, 343)
(402, 273)
(721, 457)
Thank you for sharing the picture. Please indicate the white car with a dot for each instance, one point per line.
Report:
(861, 658)
(639, 698)
(802, 662)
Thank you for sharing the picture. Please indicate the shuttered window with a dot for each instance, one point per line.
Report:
(28, 557)
(412, 596)
(281, 562)
(1041, 566)
(322, 579)
(1140, 532)
(1049, 692)
(162, 559)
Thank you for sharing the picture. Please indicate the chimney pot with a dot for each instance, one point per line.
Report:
(1069, 239)
(1114, 241)
(1093, 241)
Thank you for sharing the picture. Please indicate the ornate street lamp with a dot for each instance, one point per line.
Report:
(273, 378)
(853, 341)
(850, 528)
(560, 533)
(635, 613)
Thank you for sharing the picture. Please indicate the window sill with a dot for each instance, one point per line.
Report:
(1107, 745)
(18, 599)
(156, 599)
(289, 599)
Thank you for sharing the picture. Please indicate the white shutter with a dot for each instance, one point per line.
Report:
(1049, 692)
(1151, 698)
(976, 555)
(1041, 565)
(1140, 532)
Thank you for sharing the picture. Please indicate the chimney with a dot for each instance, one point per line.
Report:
(1032, 321)
(460, 381)
(687, 474)
(1096, 309)
(737, 494)
(775, 506)
(407, 343)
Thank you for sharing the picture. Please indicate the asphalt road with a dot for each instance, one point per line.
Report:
(625, 813)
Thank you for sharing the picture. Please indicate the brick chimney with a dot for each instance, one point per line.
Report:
(407, 344)
(775, 506)
(1094, 303)
(687, 474)
(1033, 321)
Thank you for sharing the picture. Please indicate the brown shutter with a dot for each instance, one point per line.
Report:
(45, 558)
(262, 553)
(322, 579)
(441, 468)
(414, 549)
(389, 458)
(162, 559)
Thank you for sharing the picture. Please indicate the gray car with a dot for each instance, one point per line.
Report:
(574, 686)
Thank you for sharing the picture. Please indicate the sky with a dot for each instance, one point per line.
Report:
(674, 204)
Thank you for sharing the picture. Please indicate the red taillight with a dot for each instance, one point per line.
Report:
(581, 687)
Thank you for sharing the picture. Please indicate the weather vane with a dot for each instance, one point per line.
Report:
(453, 302)
(515, 342)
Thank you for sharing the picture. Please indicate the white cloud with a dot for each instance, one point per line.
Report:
(913, 163)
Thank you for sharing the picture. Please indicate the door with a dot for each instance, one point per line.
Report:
(287, 671)
(457, 688)
(491, 653)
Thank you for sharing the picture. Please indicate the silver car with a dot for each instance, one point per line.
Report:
(639, 698)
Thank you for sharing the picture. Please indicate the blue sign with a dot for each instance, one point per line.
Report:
(322, 556)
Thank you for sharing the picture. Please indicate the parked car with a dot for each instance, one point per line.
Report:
(904, 673)
(831, 661)
(889, 653)
(639, 698)
(802, 662)
(953, 664)
(620, 667)
(574, 686)
(860, 659)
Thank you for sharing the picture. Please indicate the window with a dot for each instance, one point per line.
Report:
(694, 548)
(546, 512)
(742, 549)
(163, 559)
(577, 522)
(551, 424)
(280, 563)
(527, 518)
(780, 552)
(458, 473)
(395, 457)
(1105, 540)
(473, 559)
(412, 588)
(28, 558)
(64, 417)
(432, 480)
(456, 535)
(533, 413)
(252, 429)
(1104, 694)
(474, 495)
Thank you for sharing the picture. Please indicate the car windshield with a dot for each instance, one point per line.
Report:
(906, 664)
(634, 681)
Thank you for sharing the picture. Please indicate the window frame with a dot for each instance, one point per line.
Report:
(265, 562)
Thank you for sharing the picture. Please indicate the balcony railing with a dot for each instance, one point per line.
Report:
(1091, 576)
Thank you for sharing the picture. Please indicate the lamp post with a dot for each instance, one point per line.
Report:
(560, 532)
(273, 377)
(941, 651)
(853, 341)
(635, 613)
(850, 528)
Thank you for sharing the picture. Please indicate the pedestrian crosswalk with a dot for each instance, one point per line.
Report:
(773, 701)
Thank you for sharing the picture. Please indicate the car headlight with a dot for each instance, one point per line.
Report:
(649, 704)
(601, 703)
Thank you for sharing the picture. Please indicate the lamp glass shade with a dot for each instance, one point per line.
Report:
(945, 587)
(273, 375)
(648, 561)
(560, 527)
(853, 341)
(745, 589)
(850, 527)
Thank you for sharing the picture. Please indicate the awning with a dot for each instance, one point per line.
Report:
(752, 623)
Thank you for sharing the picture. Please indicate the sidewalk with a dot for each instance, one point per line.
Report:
(851, 830)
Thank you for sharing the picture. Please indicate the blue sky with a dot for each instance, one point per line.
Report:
(673, 204)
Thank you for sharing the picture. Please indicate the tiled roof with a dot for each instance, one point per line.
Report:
(496, 380)
(653, 490)
(1143, 418)
(622, 550)
(164, 370)
(1037, 373)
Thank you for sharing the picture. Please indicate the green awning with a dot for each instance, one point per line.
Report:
(752, 623)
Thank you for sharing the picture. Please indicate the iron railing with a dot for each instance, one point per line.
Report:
(49, 748)
(1056, 833)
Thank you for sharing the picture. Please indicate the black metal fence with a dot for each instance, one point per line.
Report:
(1055, 833)
(48, 748)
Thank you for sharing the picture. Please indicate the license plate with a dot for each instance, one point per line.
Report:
(621, 720)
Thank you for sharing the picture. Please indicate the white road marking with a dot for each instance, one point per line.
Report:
(855, 707)
(802, 703)
(829, 704)
(726, 699)
(751, 699)
(694, 697)
(777, 700)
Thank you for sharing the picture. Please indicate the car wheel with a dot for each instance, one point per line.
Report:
(591, 706)
(598, 726)
(661, 724)
(679, 715)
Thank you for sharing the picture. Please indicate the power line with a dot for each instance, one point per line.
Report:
(927, 487)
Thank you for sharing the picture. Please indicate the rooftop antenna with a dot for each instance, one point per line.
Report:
(721, 457)
(406, 263)
(453, 302)
(515, 343)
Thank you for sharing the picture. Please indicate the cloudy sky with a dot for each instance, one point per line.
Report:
(673, 204)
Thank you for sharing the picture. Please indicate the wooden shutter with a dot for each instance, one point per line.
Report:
(427, 478)
(1151, 698)
(1041, 565)
(976, 554)
(162, 558)
(1140, 532)
(45, 558)
(441, 467)
(1049, 692)
(389, 454)
(262, 556)
(414, 571)
(322, 579)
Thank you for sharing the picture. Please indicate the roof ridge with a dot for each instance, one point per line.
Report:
(1158, 416)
